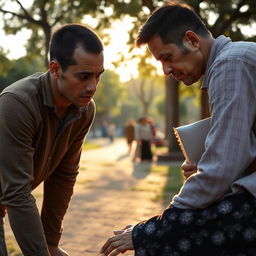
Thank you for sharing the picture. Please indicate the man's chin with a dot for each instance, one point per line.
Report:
(189, 81)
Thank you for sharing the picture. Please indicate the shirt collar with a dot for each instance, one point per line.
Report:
(217, 47)
(48, 98)
(47, 92)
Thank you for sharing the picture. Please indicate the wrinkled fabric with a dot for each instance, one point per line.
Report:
(37, 146)
(230, 146)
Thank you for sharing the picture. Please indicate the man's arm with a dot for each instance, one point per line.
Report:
(230, 140)
(17, 127)
(58, 188)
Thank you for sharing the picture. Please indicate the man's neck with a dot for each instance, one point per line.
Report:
(206, 45)
(60, 102)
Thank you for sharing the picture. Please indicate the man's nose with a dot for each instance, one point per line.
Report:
(91, 86)
(167, 69)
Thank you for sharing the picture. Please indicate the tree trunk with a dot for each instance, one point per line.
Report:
(172, 112)
(47, 33)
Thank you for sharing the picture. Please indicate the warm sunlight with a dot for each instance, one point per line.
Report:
(114, 51)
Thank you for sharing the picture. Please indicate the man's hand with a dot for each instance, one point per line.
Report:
(120, 243)
(57, 251)
(188, 169)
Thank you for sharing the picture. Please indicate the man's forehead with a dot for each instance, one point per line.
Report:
(89, 62)
(81, 53)
(157, 47)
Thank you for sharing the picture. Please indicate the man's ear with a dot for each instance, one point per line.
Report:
(55, 69)
(191, 40)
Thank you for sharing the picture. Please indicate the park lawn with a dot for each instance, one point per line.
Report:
(12, 247)
(90, 145)
(173, 182)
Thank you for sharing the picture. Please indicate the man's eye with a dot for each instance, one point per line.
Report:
(83, 77)
(167, 58)
(98, 76)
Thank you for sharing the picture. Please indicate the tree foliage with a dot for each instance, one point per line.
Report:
(42, 16)
(13, 70)
(109, 95)
(147, 86)
(226, 17)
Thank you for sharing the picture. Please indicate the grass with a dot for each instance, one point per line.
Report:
(157, 175)
(159, 150)
(90, 145)
(173, 184)
(12, 247)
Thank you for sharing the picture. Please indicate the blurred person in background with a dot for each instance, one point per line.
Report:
(111, 132)
(129, 133)
(144, 136)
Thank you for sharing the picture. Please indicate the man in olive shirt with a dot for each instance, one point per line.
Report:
(44, 119)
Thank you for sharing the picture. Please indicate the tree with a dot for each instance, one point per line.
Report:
(42, 16)
(108, 96)
(146, 85)
(13, 70)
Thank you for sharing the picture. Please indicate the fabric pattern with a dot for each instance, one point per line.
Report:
(226, 228)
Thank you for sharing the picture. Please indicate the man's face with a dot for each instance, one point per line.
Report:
(78, 83)
(184, 65)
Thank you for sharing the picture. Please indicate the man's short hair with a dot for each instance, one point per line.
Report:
(170, 22)
(68, 37)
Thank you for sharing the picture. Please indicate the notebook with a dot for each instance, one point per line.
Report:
(191, 139)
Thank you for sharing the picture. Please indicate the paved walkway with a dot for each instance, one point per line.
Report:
(111, 192)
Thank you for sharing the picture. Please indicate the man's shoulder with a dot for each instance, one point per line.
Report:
(240, 50)
(24, 87)
(25, 92)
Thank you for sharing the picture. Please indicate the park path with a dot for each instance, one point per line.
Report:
(106, 198)
(111, 192)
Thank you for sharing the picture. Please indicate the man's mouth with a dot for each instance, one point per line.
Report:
(86, 96)
(177, 76)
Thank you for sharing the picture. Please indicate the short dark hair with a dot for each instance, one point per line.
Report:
(65, 39)
(170, 22)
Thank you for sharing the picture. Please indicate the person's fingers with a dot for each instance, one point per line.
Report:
(188, 167)
(129, 226)
(115, 252)
(118, 232)
(119, 243)
(120, 247)
(109, 243)
(187, 174)
(112, 246)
